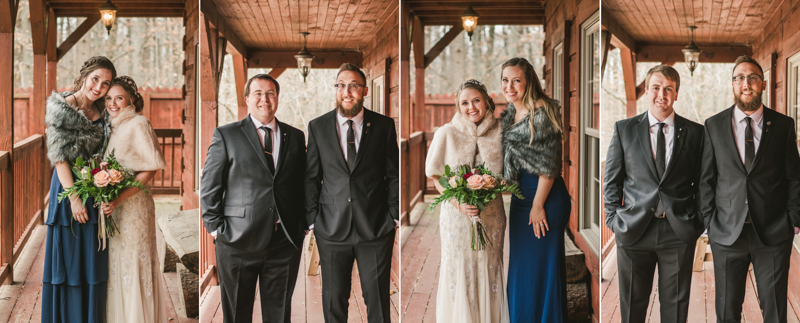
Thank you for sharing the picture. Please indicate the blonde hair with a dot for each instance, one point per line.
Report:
(533, 94)
(478, 86)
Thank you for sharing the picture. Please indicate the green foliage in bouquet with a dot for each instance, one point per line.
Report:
(102, 181)
(474, 186)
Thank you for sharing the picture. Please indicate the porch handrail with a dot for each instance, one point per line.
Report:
(167, 181)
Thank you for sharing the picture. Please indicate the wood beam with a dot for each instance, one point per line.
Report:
(52, 52)
(76, 35)
(132, 13)
(487, 21)
(437, 49)
(208, 94)
(672, 53)
(418, 40)
(622, 38)
(7, 145)
(605, 40)
(276, 72)
(38, 17)
(483, 12)
(212, 14)
(405, 77)
(285, 59)
(8, 16)
(240, 76)
(629, 78)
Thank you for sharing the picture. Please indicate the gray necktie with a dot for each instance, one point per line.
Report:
(351, 145)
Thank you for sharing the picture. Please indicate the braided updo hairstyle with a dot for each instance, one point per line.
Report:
(478, 86)
(127, 84)
(91, 65)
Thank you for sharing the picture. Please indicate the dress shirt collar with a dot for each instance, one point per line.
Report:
(258, 124)
(738, 115)
(357, 120)
(670, 120)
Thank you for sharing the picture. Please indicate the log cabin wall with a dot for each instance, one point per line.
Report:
(779, 41)
(562, 25)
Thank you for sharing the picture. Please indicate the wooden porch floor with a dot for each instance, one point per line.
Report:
(306, 301)
(21, 301)
(421, 251)
(701, 303)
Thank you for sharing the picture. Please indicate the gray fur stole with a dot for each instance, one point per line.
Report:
(70, 134)
(542, 157)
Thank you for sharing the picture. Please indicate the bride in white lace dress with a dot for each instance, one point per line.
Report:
(135, 293)
(471, 286)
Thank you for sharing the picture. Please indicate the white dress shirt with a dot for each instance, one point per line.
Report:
(276, 137)
(341, 129)
(739, 125)
(669, 135)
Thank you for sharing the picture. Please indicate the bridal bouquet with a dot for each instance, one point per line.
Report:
(103, 181)
(474, 186)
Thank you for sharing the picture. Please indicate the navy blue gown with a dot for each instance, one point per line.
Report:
(75, 272)
(536, 269)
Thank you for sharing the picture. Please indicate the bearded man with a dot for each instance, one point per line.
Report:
(749, 196)
(352, 194)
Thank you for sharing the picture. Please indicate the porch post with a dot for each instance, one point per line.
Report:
(8, 17)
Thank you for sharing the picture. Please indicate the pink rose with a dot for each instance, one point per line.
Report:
(489, 181)
(116, 176)
(453, 181)
(475, 182)
(102, 178)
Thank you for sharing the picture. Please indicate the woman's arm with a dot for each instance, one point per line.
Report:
(142, 177)
(76, 204)
(538, 218)
(466, 209)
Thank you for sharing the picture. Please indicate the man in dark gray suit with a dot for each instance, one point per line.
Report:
(651, 176)
(749, 194)
(352, 193)
(252, 202)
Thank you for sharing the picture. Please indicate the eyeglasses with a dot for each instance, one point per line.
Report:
(751, 79)
(350, 87)
(260, 95)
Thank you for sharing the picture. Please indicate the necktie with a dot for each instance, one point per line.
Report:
(661, 162)
(351, 145)
(749, 145)
(268, 148)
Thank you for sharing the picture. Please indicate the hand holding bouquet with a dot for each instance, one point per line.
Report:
(474, 186)
(102, 181)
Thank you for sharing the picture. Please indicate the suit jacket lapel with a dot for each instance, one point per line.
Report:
(728, 126)
(333, 137)
(679, 134)
(284, 140)
(643, 134)
(249, 129)
(366, 133)
(766, 123)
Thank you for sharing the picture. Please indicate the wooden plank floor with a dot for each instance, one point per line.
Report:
(701, 303)
(21, 301)
(421, 251)
(306, 301)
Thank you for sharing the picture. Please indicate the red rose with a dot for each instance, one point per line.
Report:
(94, 171)
(467, 175)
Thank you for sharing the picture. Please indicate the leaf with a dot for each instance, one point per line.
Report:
(444, 183)
(447, 170)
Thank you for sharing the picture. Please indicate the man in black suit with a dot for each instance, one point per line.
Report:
(352, 196)
(652, 171)
(749, 194)
(252, 199)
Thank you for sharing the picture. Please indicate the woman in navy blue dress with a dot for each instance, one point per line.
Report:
(532, 137)
(75, 271)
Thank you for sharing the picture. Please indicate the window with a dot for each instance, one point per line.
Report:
(766, 95)
(792, 101)
(589, 201)
(558, 74)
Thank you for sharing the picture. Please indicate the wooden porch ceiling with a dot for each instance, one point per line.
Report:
(127, 8)
(492, 12)
(275, 25)
(719, 22)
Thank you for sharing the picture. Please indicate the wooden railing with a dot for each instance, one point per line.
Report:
(413, 152)
(168, 180)
(27, 195)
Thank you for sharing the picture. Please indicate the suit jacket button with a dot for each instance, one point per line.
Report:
(270, 210)
(745, 201)
(692, 183)
(348, 199)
